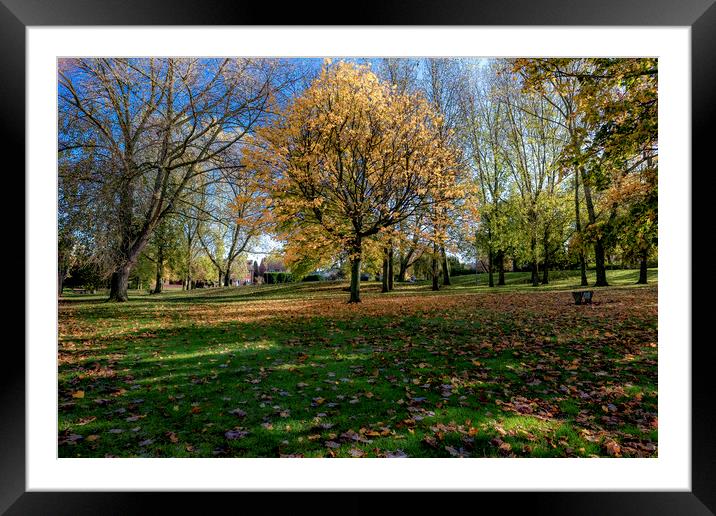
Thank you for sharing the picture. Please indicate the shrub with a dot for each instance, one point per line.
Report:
(312, 277)
(273, 278)
(461, 272)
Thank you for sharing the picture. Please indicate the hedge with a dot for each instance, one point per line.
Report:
(312, 277)
(272, 278)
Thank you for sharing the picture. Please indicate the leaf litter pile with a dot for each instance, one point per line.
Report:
(506, 374)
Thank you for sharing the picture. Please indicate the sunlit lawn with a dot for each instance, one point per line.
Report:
(293, 370)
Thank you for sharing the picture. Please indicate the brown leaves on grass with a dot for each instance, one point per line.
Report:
(533, 356)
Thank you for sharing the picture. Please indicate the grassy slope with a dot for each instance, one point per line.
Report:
(521, 372)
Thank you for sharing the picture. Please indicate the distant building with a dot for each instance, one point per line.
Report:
(273, 264)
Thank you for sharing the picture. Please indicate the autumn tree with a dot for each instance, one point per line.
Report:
(444, 81)
(349, 158)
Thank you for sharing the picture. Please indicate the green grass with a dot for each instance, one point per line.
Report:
(468, 371)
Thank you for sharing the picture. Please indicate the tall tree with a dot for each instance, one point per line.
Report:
(444, 81)
(534, 145)
(483, 132)
(615, 110)
(351, 157)
(157, 124)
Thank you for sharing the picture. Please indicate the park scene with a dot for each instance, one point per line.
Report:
(357, 257)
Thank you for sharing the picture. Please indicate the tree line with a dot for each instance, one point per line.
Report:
(400, 161)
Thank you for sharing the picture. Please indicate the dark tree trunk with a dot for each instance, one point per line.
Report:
(227, 276)
(501, 268)
(514, 264)
(535, 272)
(402, 271)
(598, 244)
(160, 272)
(642, 268)
(578, 222)
(355, 271)
(545, 267)
(60, 281)
(434, 268)
(385, 271)
(601, 269)
(119, 284)
(404, 263)
(490, 279)
(445, 265)
(391, 273)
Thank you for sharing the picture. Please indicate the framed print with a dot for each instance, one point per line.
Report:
(237, 348)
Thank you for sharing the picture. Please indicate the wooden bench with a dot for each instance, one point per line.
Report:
(583, 297)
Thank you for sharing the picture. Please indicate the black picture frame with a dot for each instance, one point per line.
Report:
(16, 15)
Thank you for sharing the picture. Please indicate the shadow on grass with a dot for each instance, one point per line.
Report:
(430, 385)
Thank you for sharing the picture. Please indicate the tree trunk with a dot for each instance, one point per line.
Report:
(545, 245)
(514, 264)
(391, 273)
(434, 268)
(601, 270)
(642, 268)
(119, 284)
(402, 271)
(490, 279)
(404, 263)
(160, 272)
(533, 249)
(227, 276)
(60, 281)
(578, 223)
(598, 244)
(385, 271)
(445, 265)
(501, 268)
(355, 271)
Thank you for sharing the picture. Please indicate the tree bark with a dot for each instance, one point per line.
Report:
(60, 281)
(578, 225)
(160, 272)
(355, 271)
(501, 268)
(434, 268)
(535, 273)
(445, 265)
(404, 263)
(133, 243)
(490, 279)
(227, 276)
(391, 273)
(545, 267)
(119, 284)
(601, 269)
(385, 271)
(642, 268)
(402, 271)
(598, 243)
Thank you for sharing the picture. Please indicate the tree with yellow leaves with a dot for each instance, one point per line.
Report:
(349, 158)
